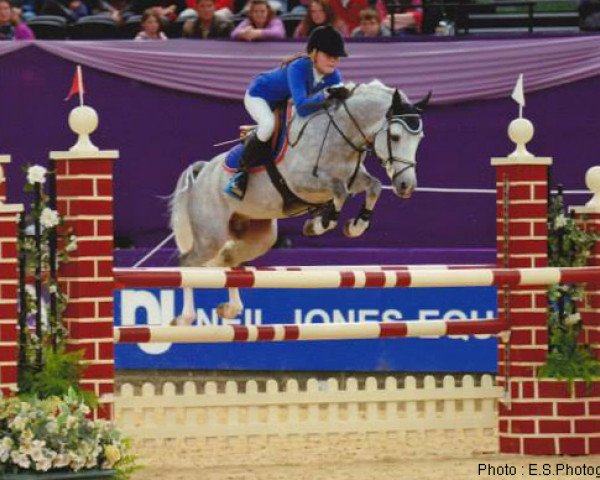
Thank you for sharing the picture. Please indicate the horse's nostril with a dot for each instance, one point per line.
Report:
(403, 186)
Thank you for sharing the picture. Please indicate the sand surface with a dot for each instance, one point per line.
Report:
(378, 456)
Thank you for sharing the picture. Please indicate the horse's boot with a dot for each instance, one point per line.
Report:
(254, 151)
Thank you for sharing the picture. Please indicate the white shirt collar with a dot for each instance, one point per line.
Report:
(317, 76)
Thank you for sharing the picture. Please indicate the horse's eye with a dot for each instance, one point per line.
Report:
(395, 138)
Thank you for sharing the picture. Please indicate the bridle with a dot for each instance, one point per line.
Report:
(369, 143)
(399, 119)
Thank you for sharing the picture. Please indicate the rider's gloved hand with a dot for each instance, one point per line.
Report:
(338, 92)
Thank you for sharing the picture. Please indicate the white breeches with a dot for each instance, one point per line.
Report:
(261, 113)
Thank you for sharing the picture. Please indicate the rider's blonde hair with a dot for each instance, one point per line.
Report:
(287, 60)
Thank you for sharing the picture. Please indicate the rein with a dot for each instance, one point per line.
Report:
(393, 119)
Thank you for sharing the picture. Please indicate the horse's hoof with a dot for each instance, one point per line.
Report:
(355, 228)
(182, 321)
(308, 230)
(228, 311)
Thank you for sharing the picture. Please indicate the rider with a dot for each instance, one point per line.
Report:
(309, 79)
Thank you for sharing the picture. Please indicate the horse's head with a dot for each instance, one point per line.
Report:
(396, 143)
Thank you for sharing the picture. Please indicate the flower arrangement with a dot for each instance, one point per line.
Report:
(568, 246)
(48, 426)
(56, 434)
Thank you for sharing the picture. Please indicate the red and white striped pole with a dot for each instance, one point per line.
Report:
(348, 277)
(322, 331)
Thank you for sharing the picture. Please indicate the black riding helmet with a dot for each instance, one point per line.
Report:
(328, 40)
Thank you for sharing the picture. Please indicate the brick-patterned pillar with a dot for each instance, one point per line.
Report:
(522, 184)
(4, 159)
(8, 287)
(84, 187)
(588, 217)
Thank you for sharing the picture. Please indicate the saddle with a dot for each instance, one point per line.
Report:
(292, 204)
(278, 145)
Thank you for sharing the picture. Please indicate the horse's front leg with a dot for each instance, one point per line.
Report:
(188, 314)
(327, 218)
(367, 183)
(233, 307)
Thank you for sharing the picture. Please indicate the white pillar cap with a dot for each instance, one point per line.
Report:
(83, 120)
(520, 131)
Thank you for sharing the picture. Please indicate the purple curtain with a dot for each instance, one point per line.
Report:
(456, 71)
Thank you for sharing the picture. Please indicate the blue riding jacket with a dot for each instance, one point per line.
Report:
(294, 80)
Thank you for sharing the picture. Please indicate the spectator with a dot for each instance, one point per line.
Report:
(223, 8)
(167, 10)
(111, 8)
(11, 27)
(261, 24)
(319, 13)
(370, 25)
(349, 11)
(409, 19)
(208, 24)
(150, 28)
(72, 10)
(589, 15)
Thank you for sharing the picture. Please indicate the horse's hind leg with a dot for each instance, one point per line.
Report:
(327, 218)
(253, 238)
(372, 188)
(192, 259)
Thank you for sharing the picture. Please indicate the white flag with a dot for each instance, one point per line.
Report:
(517, 94)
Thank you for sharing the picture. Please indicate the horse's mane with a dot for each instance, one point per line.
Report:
(374, 85)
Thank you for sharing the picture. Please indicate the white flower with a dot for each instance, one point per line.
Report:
(21, 459)
(52, 289)
(71, 421)
(62, 460)
(52, 426)
(49, 218)
(6, 446)
(77, 462)
(560, 221)
(573, 319)
(91, 462)
(36, 174)
(43, 464)
(19, 423)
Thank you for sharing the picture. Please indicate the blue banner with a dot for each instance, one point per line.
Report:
(159, 307)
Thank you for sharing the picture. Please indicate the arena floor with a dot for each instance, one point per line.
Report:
(418, 456)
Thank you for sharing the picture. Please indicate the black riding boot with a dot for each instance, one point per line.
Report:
(254, 152)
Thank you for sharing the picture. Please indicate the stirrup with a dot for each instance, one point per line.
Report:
(236, 186)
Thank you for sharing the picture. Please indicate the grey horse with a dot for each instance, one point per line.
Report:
(323, 165)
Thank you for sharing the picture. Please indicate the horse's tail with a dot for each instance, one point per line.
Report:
(180, 218)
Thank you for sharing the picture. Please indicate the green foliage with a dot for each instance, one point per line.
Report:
(568, 246)
(61, 373)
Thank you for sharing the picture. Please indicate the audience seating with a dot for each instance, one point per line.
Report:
(48, 27)
(290, 22)
(94, 27)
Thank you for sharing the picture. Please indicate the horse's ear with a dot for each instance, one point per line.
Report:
(397, 103)
(422, 104)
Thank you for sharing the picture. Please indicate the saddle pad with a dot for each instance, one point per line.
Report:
(234, 156)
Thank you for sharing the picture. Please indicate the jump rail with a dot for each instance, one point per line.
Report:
(350, 278)
(324, 331)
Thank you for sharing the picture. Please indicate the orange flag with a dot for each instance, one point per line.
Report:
(77, 86)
